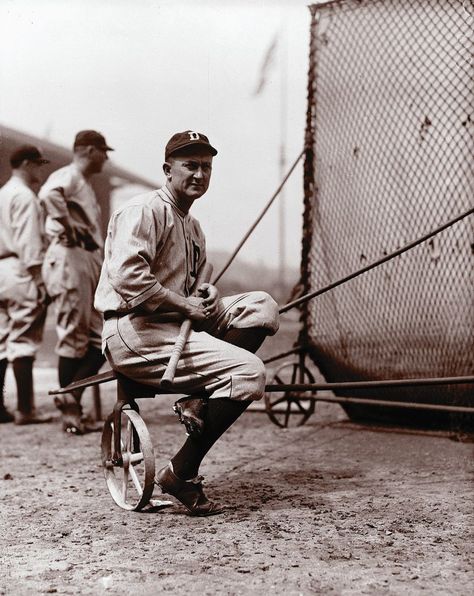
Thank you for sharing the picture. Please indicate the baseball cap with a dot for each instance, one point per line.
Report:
(91, 137)
(27, 152)
(186, 139)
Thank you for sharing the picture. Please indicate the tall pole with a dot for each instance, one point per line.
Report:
(283, 59)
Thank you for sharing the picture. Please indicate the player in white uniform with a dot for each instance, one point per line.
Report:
(22, 292)
(72, 267)
(153, 254)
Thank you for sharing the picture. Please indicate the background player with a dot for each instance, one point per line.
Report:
(22, 291)
(72, 266)
(154, 252)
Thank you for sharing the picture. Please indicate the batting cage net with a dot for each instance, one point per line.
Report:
(390, 138)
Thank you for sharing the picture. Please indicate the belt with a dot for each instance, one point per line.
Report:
(78, 242)
(8, 255)
(87, 245)
(165, 317)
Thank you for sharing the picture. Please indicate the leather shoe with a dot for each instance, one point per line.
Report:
(71, 413)
(73, 421)
(188, 492)
(5, 415)
(191, 412)
(21, 419)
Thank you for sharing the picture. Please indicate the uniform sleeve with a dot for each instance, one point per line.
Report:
(26, 226)
(54, 192)
(132, 239)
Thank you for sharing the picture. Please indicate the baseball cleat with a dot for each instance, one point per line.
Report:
(191, 412)
(73, 420)
(188, 492)
(5, 415)
(22, 418)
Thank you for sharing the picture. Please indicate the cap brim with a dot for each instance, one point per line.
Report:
(99, 147)
(191, 144)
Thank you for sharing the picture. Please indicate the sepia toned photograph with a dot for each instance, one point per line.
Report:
(236, 297)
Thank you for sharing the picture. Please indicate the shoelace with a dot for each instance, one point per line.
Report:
(196, 480)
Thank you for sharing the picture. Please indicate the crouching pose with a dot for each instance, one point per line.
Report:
(154, 252)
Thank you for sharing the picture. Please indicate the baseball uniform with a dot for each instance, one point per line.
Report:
(22, 311)
(152, 247)
(71, 272)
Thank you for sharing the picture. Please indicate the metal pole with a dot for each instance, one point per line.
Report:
(370, 384)
(283, 135)
(394, 254)
(97, 402)
(295, 350)
(386, 403)
(259, 218)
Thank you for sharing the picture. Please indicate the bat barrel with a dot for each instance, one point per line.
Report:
(168, 377)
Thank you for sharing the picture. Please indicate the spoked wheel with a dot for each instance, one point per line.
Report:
(290, 408)
(130, 480)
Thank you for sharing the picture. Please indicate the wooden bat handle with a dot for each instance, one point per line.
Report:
(168, 376)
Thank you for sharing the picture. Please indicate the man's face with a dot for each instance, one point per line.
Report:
(35, 174)
(189, 175)
(97, 158)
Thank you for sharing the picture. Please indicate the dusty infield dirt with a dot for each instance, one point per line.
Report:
(327, 508)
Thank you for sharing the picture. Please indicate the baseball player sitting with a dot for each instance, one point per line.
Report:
(154, 252)
(71, 269)
(22, 292)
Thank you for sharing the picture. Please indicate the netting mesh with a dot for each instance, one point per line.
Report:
(390, 132)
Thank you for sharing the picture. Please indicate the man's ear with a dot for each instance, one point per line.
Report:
(167, 169)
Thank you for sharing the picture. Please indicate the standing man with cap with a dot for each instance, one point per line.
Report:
(22, 291)
(154, 253)
(72, 266)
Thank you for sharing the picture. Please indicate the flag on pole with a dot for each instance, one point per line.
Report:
(267, 64)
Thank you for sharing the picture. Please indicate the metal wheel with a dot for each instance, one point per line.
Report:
(290, 408)
(131, 480)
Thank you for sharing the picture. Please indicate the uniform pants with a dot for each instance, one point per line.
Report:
(71, 276)
(22, 316)
(139, 346)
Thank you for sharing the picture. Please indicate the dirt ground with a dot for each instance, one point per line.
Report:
(327, 508)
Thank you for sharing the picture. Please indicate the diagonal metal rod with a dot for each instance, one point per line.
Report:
(392, 255)
(369, 384)
(259, 218)
(409, 405)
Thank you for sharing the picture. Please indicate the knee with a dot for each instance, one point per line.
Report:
(268, 311)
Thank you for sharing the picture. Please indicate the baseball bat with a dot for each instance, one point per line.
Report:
(168, 376)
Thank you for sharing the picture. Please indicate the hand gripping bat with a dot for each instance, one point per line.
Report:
(168, 376)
